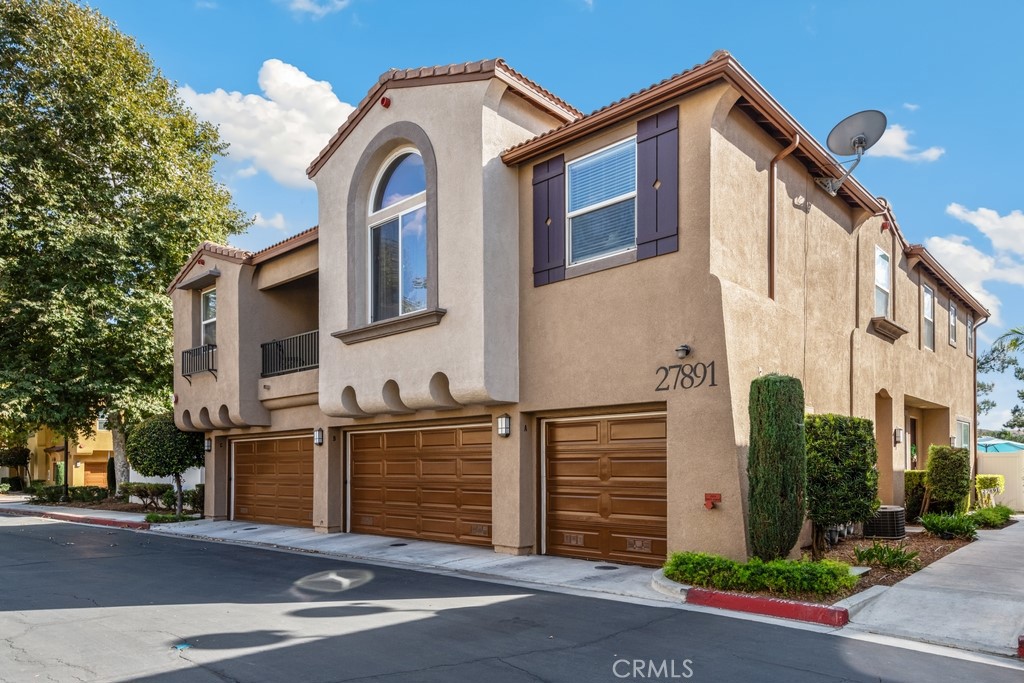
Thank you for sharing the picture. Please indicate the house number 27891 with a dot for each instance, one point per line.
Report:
(685, 376)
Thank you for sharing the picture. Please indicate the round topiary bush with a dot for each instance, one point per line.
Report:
(157, 448)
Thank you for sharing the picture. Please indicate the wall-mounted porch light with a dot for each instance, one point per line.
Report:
(897, 435)
(318, 437)
(208, 445)
(504, 425)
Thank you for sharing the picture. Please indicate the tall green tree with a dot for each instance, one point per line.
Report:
(106, 186)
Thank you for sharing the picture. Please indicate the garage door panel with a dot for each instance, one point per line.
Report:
(432, 484)
(367, 468)
(606, 498)
(273, 481)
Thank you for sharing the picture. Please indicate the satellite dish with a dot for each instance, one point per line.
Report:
(854, 135)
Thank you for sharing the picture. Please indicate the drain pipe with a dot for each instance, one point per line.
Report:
(974, 352)
(772, 177)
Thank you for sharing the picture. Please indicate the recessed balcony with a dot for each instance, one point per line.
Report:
(291, 354)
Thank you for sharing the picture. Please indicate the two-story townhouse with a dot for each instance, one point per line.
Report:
(540, 327)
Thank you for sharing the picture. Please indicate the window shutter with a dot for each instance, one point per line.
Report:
(549, 221)
(657, 191)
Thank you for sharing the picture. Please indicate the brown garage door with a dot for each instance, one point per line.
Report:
(605, 489)
(274, 481)
(95, 473)
(433, 484)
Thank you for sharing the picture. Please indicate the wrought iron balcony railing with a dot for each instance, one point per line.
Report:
(200, 359)
(292, 354)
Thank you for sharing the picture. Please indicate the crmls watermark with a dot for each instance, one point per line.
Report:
(652, 668)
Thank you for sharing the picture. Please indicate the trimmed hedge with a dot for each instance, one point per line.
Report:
(776, 465)
(842, 481)
(14, 483)
(87, 494)
(784, 577)
(195, 499)
(949, 478)
(149, 494)
(913, 492)
(47, 494)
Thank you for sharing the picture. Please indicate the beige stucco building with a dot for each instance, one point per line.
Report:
(521, 327)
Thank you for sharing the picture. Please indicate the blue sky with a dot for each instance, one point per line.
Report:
(279, 77)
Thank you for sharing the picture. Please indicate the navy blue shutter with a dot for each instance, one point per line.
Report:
(549, 221)
(657, 180)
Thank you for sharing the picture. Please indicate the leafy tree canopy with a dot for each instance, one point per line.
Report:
(157, 448)
(106, 186)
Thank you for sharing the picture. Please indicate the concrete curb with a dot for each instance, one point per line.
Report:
(80, 519)
(859, 601)
(825, 615)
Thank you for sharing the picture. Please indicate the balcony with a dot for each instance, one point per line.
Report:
(291, 354)
(198, 360)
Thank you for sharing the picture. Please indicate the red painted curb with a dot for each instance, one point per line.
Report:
(772, 607)
(101, 521)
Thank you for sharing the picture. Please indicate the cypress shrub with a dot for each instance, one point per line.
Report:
(913, 492)
(111, 476)
(776, 465)
(948, 479)
(842, 482)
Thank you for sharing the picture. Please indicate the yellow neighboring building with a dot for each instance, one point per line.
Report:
(87, 460)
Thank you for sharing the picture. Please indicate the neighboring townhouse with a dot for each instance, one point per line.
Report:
(540, 328)
(87, 460)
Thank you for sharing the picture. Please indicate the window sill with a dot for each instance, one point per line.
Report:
(888, 328)
(603, 263)
(386, 328)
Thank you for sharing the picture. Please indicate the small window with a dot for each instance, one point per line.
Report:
(928, 330)
(398, 239)
(963, 434)
(209, 316)
(970, 335)
(883, 279)
(602, 203)
(101, 421)
(952, 324)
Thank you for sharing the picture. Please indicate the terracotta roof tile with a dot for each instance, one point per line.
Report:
(484, 68)
(294, 238)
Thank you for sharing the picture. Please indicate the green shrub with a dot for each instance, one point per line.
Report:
(195, 499)
(149, 494)
(776, 466)
(842, 481)
(87, 494)
(58, 478)
(913, 492)
(949, 525)
(111, 475)
(888, 556)
(949, 478)
(988, 486)
(16, 456)
(5, 487)
(157, 448)
(993, 517)
(47, 494)
(160, 518)
(15, 483)
(169, 499)
(784, 577)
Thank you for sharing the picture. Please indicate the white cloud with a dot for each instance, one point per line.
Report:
(894, 144)
(247, 172)
(318, 9)
(1006, 232)
(278, 132)
(910, 106)
(276, 221)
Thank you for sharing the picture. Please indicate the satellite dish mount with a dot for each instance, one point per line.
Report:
(854, 135)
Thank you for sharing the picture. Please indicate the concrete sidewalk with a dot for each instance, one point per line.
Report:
(972, 599)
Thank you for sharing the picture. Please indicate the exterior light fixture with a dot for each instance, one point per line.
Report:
(504, 425)
(318, 437)
(897, 435)
(952, 441)
(208, 445)
(683, 350)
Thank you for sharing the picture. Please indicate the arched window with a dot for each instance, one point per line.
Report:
(397, 224)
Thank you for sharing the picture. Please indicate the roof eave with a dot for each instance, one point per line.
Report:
(925, 258)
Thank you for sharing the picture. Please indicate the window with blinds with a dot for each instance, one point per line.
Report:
(602, 203)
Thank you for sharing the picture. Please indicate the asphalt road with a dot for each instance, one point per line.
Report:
(80, 603)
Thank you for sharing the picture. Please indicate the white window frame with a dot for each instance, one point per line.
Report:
(970, 335)
(952, 322)
(960, 441)
(375, 219)
(569, 215)
(927, 294)
(879, 252)
(101, 421)
(203, 321)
